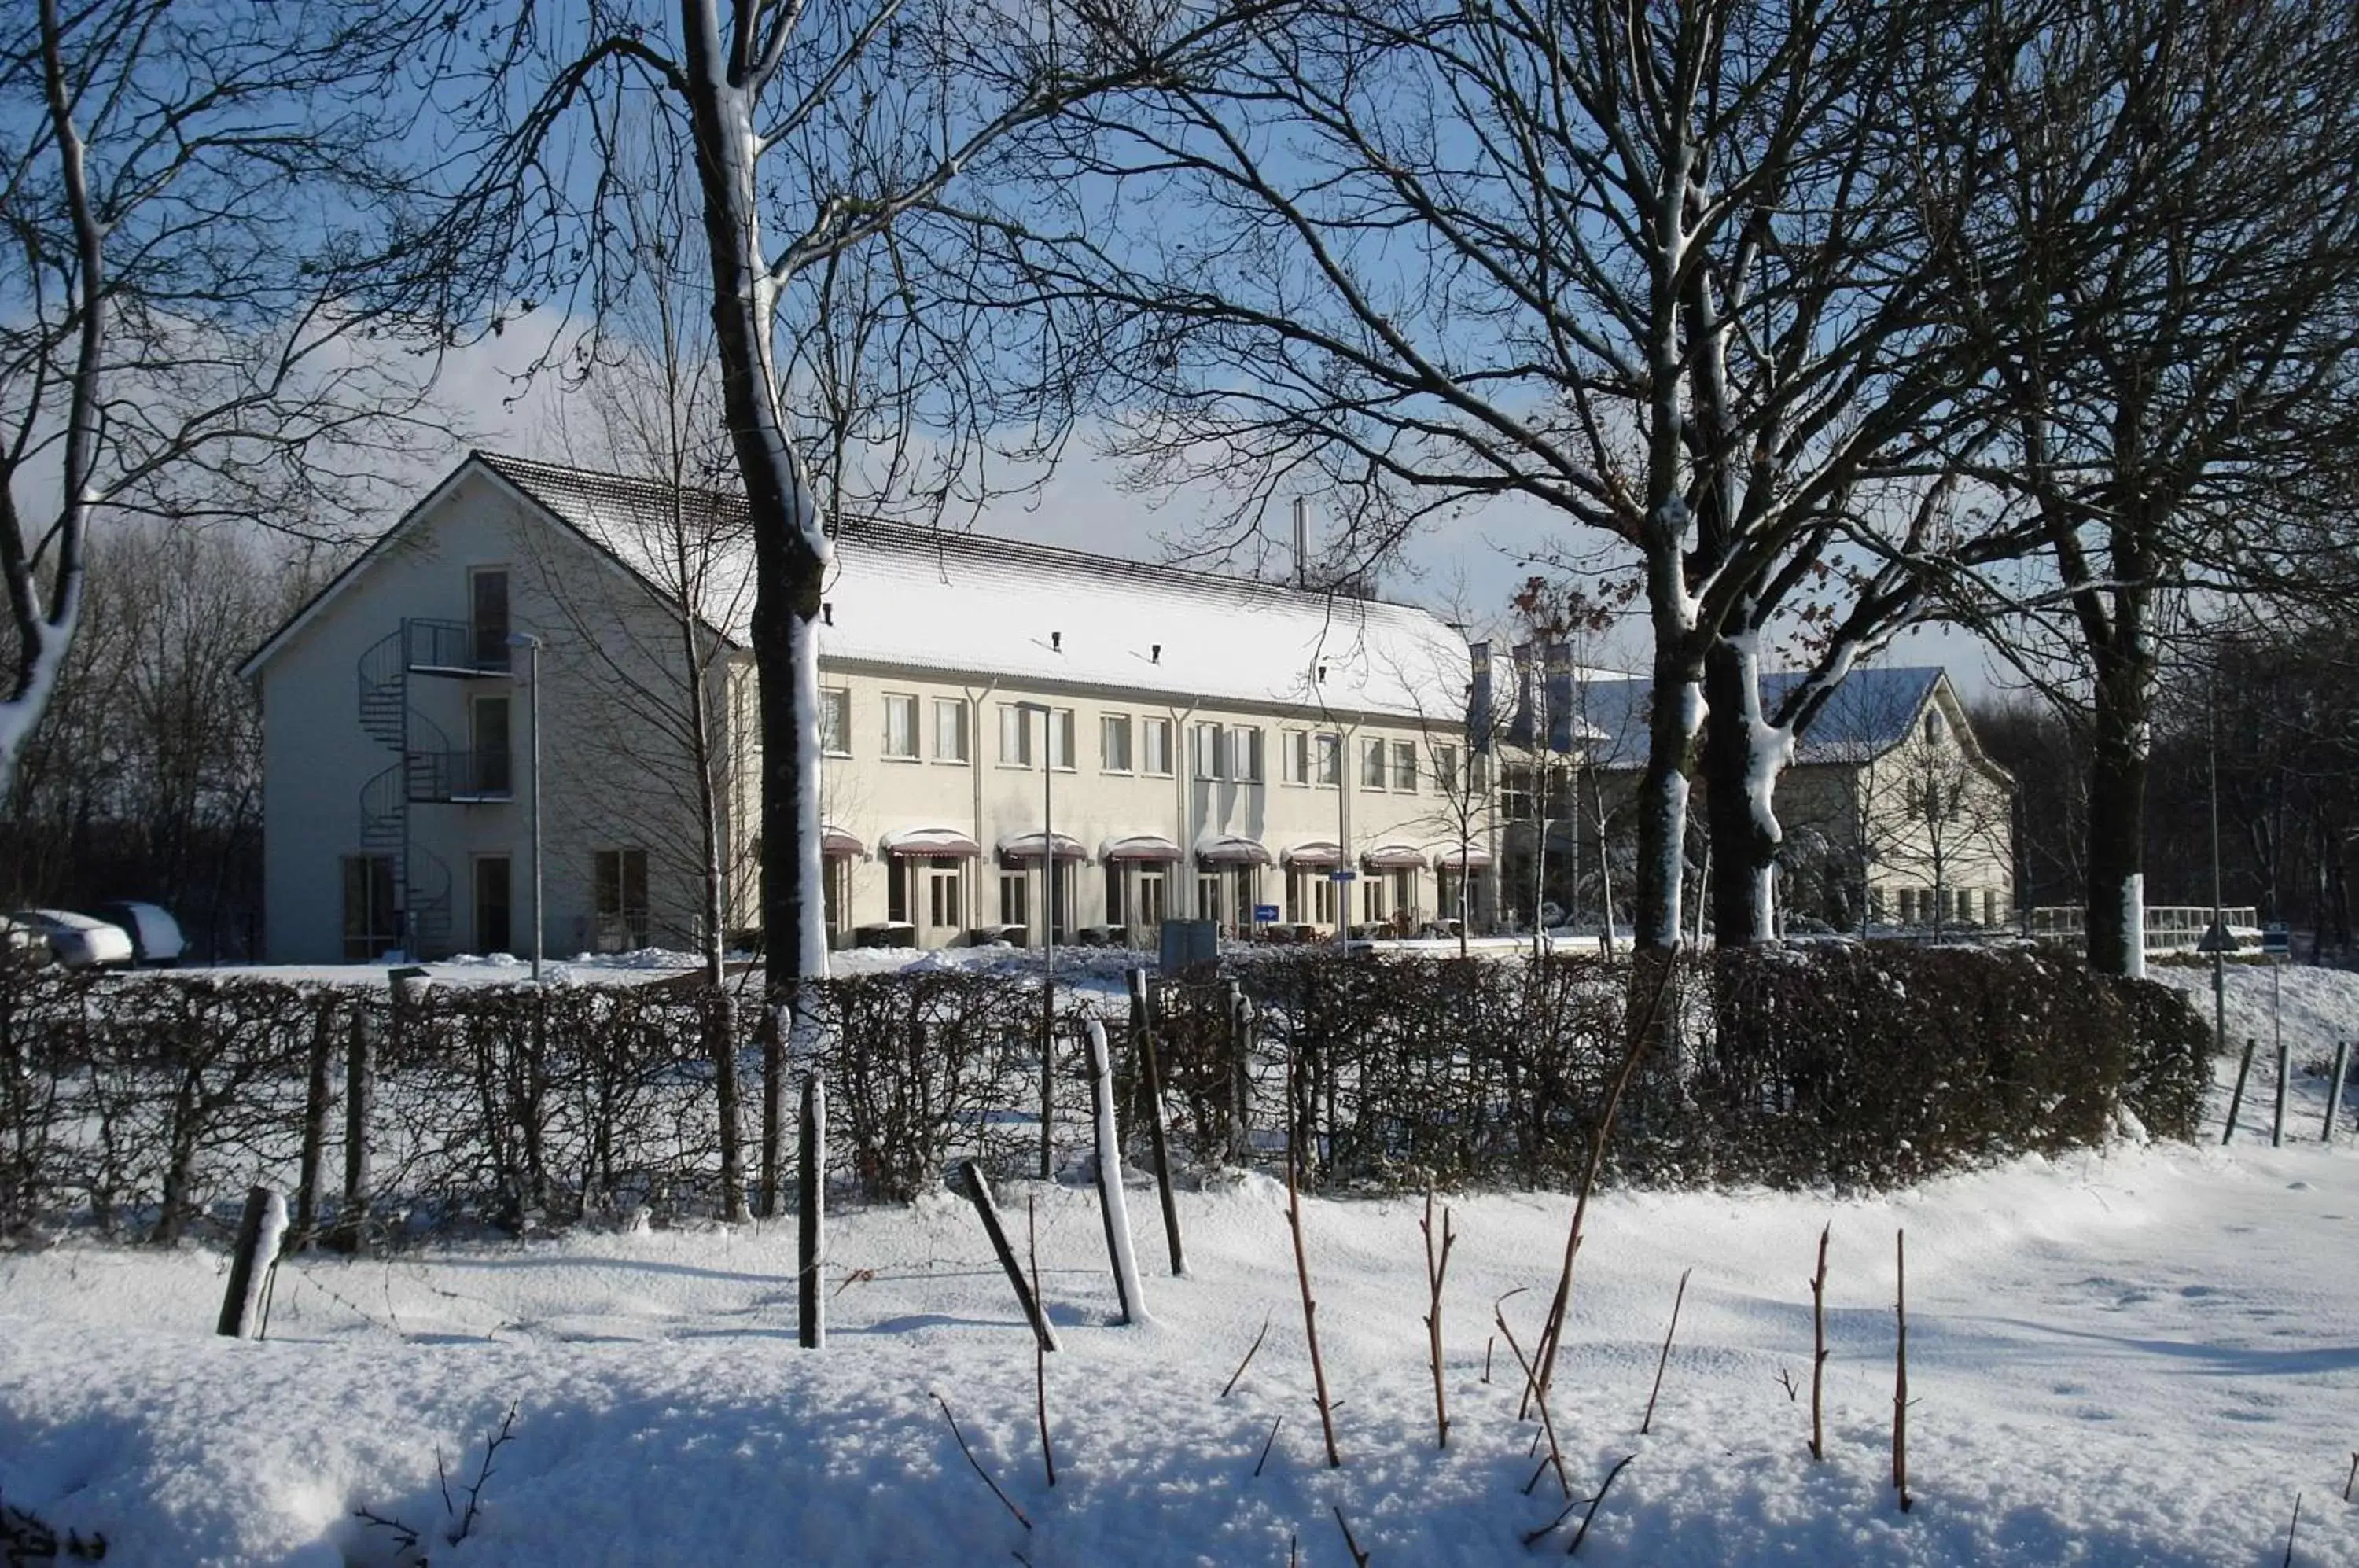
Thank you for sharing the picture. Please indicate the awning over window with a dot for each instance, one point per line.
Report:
(1393, 857)
(1141, 847)
(1026, 846)
(927, 841)
(1317, 853)
(1227, 849)
(1460, 857)
(837, 844)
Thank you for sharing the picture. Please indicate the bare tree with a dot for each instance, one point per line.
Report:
(183, 187)
(2165, 271)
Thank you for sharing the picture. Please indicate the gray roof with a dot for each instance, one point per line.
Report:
(1870, 713)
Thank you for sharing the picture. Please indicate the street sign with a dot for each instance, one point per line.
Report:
(1342, 877)
(2217, 938)
(1265, 914)
(2277, 942)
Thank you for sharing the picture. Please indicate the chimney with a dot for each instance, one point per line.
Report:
(1301, 543)
(1056, 642)
(1154, 653)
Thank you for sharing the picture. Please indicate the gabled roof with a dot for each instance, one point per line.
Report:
(1873, 710)
(963, 603)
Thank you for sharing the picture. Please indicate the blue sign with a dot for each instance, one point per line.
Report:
(1342, 877)
(2277, 942)
(1265, 914)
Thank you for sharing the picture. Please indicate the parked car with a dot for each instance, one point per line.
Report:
(155, 935)
(78, 941)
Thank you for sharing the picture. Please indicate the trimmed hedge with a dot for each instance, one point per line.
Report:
(148, 1104)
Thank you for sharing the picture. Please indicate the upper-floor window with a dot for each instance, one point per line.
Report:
(1060, 739)
(949, 729)
(1015, 734)
(1294, 757)
(1244, 753)
(1405, 766)
(1445, 769)
(487, 615)
(1372, 765)
(835, 721)
(1329, 752)
(1212, 751)
(1230, 752)
(1155, 746)
(1114, 742)
(900, 726)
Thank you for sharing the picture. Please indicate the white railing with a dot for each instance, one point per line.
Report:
(2169, 928)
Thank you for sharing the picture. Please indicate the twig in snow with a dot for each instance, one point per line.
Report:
(1040, 1351)
(491, 1442)
(1665, 1359)
(1591, 1516)
(1538, 1396)
(1293, 1552)
(1359, 1558)
(2353, 1476)
(1900, 1371)
(1004, 1499)
(1819, 1349)
(1302, 1272)
(1437, 1265)
(404, 1538)
(1266, 1445)
(1239, 1372)
(1785, 1380)
(1493, 1339)
(2291, 1527)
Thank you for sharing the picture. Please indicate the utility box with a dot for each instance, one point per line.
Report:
(1187, 944)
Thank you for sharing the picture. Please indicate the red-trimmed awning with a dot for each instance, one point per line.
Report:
(1026, 846)
(837, 844)
(1393, 857)
(927, 841)
(1141, 847)
(1228, 849)
(1319, 853)
(1460, 857)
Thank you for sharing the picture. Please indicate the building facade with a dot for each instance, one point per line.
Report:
(1016, 737)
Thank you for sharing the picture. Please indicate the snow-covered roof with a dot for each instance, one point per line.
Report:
(970, 603)
(1871, 711)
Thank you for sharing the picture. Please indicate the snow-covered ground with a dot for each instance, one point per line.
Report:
(2134, 1357)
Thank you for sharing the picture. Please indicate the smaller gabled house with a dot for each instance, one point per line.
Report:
(1891, 813)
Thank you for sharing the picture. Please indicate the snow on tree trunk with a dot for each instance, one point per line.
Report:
(1742, 759)
(1110, 1192)
(2117, 770)
(1672, 731)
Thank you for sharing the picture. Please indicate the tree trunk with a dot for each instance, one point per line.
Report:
(1673, 730)
(1743, 823)
(2117, 768)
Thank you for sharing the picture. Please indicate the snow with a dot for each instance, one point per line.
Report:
(1130, 1300)
(2134, 1357)
(2133, 922)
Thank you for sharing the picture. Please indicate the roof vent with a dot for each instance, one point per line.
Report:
(827, 613)
(1056, 642)
(1154, 653)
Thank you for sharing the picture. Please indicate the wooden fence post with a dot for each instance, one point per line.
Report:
(2334, 1090)
(313, 1178)
(1142, 1024)
(978, 1192)
(812, 1219)
(360, 1107)
(2276, 1120)
(774, 1108)
(1111, 1201)
(2236, 1100)
(259, 1235)
(1240, 1075)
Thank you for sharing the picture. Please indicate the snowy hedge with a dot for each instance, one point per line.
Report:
(146, 1106)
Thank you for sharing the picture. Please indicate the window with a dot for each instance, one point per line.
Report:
(835, 892)
(1015, 897)
(1113, 746)
(1208, 895)
(487, 773)
(1212, 751)
(1014, 736)
(1153, 890)
(369, 919)
(1445, 769)
(1329, 753)
(1155, 746)
(900, 727)
(621, 900)
(1060, 739)
(1113, 878)
(1405, 766)
(943, 903)
(1515, 793)
(835, 721)
(1373, 889)
(949, 729)
(493, 908)
(1244, 754)
(1372, 765)
(1294, 757)
(487, 617)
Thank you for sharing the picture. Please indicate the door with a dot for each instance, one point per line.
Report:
(494, 909)
(488, 770)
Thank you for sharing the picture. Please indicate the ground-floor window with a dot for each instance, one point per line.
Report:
(1154, 896)
(835, 892)
(945, 900)
(1015, 898)
(621, 899)
(1311, 895)
(371, 925)
(495, 905)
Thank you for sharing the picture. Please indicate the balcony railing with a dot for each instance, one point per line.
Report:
(461, 778)
(454, 648)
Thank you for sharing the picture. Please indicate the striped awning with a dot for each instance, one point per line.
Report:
(1317, 853)
(1393, 857)
(927, 841)
(835, 844)
(1228, 849)
(1028, 846)
(1141, 847)
(1460, 857)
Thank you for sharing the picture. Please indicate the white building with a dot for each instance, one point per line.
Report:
(1214, 747)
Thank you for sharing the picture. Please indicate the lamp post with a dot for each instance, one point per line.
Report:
(1048, 927)
(532, 645)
